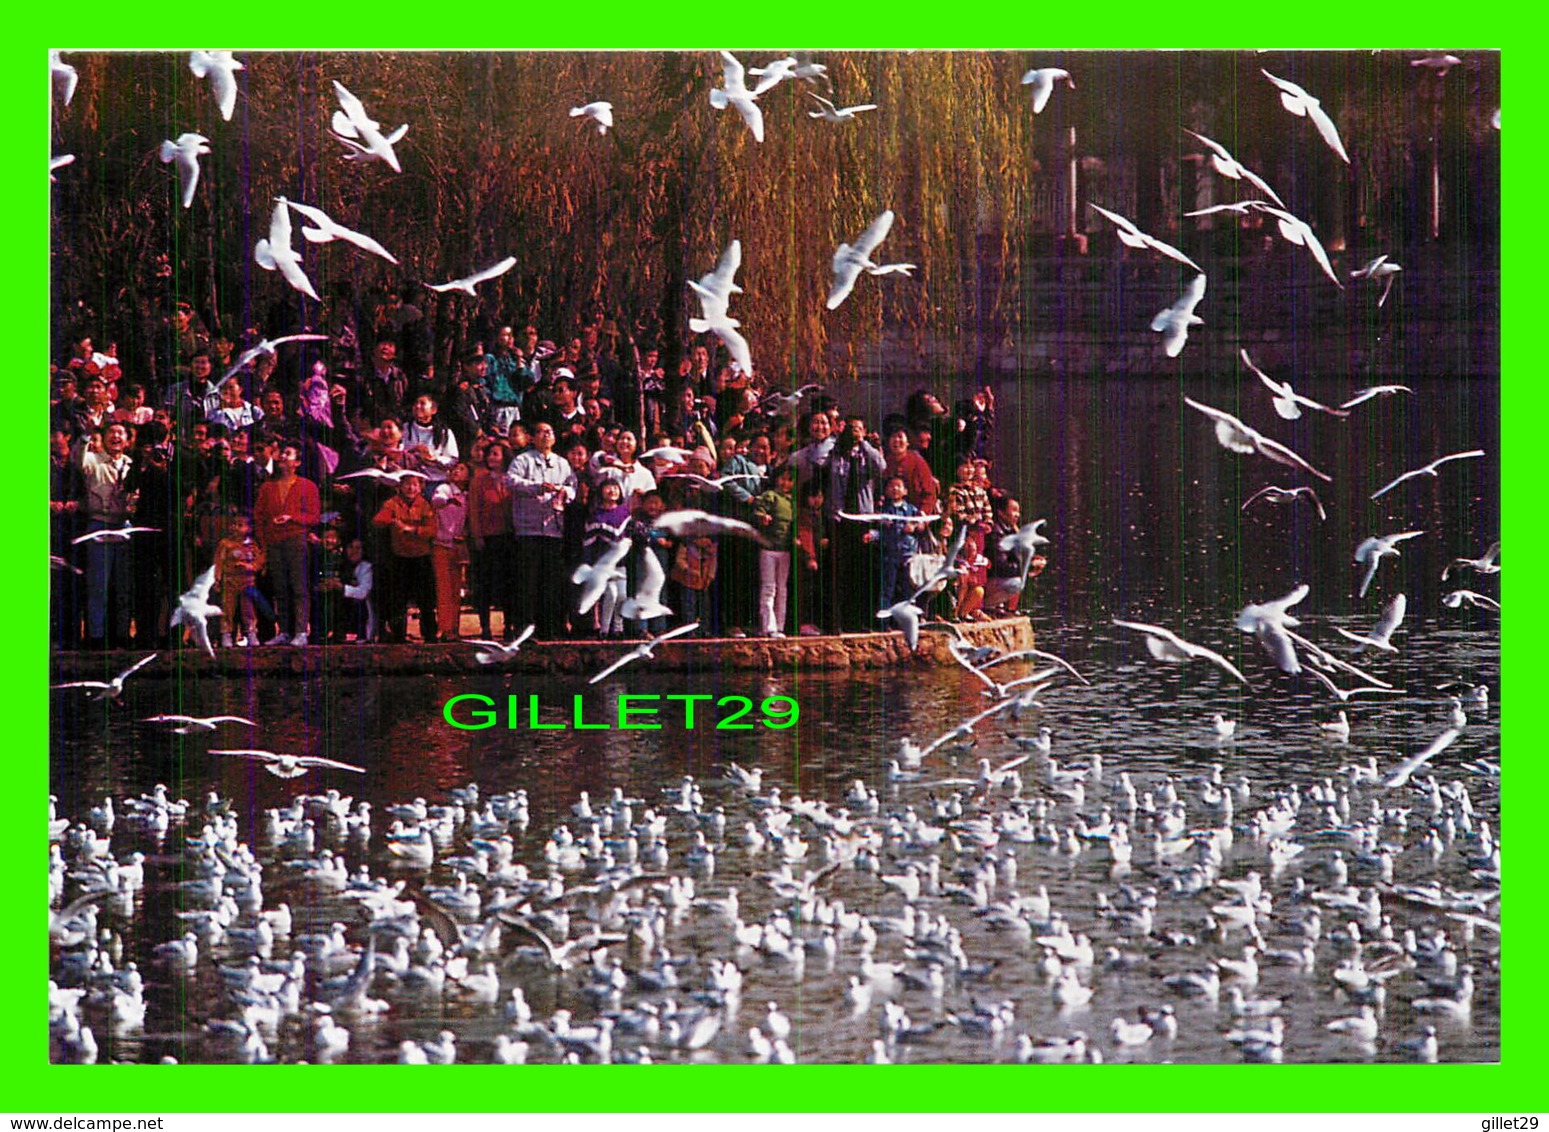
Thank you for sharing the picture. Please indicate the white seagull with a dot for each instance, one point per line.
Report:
(716, 287)
(1379, 268)
(62, 75)
(289, 766)
(1024, 545)
(186, 151)
(1429, 469)
(643, 650)
(1303, 105)
(1286, 495)
(1299, 232)
(1042, 80)
(1372, 551)
(809, 72)
(114, 688)
(466, 285)
(221, 68)
(1288, 402)
(1485, 563)
(594, 578)
(599, 112)
(1228, 166)
(188, 724)
(850, 260)
(194, 610)
(1173, 322)
(1456, 598)
(646, 602)
(114, 534)
(324, 228)
(59, 163)
(266, 347)
(360, 134)
(276, 254)
(1371, 391)
(699, 524)
(1440, 63)
(393, 477)
(1406, 768)
(905, 617)
(1132, 237)
(1270, 622)
(736, 94)
(494, 652)
(773, 73)
(1380, 635)
(1238, 437)
(1165, 645)
(831, 113)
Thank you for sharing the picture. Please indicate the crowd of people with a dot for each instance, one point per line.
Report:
(332, 499)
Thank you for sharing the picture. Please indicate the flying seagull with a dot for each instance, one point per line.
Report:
(289, 766)
(1456, 598)
(1270, 622)
(194, 610)
(1303, 105)
(59, 163)
(1363, 395)
(905, 617)
(186, 151)
(1165, 645)
(188, 724)
(599, 112)
(361, 135)
(1042, 80)
(736, 94)
(1131, 236)
(467, 285)
(773, 73)
(699, 524)
(646, 602)
(831, 113)
(1287, 401)
(1429, 469)
(393, 477)
(62, 75)
(114, 688)
(643, 650)
(1228, 166)
(324, 229)
(1299, 232)
(1485, 563)
(594, 578)
(114, 534)
(221, 68)
(1380, 636)
(1372, 551)
(1286, 495)
(850, 260)
(1024, 544)
(1379, 268)
(494, 652)
(1173, 322)
(266, 347)
(1406, 768)
(1238, 437)
(1439, 63)
(276, 254)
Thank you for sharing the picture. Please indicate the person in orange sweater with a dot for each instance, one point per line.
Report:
(287, 508)
(406, 574)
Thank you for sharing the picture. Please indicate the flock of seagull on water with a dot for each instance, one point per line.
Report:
(1368, 900)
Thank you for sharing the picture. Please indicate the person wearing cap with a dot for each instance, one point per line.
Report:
(542, 484)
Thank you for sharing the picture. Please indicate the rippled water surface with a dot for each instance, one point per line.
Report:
(1144, 516)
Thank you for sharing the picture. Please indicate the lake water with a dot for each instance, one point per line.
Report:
(1143, 510)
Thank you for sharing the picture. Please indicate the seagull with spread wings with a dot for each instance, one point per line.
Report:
(266, 348)
(1228, 166)
(1238, 437)
(496, 652)
(1304, 105)
(1362, 395)
(1165, 645)
(466, 285)
(288, 766)
(734, 93)
(1288, 402)
(1131, 236)
(1173, 322)
(276, 254)
(1042, 80)
(1372, 551)
(1380, 636)
(221, 68)
(644, 650)
(1485, 563)
(114, 688)
(360, 135)
(1429, 469)
(1270, 622)
(850, 260)
(324, 228)
(1379, 268)
(188, 724)
(186, 152)
(1273, 494)
(194, 610)
(831, 113)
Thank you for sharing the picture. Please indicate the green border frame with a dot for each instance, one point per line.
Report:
(34, 1085)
